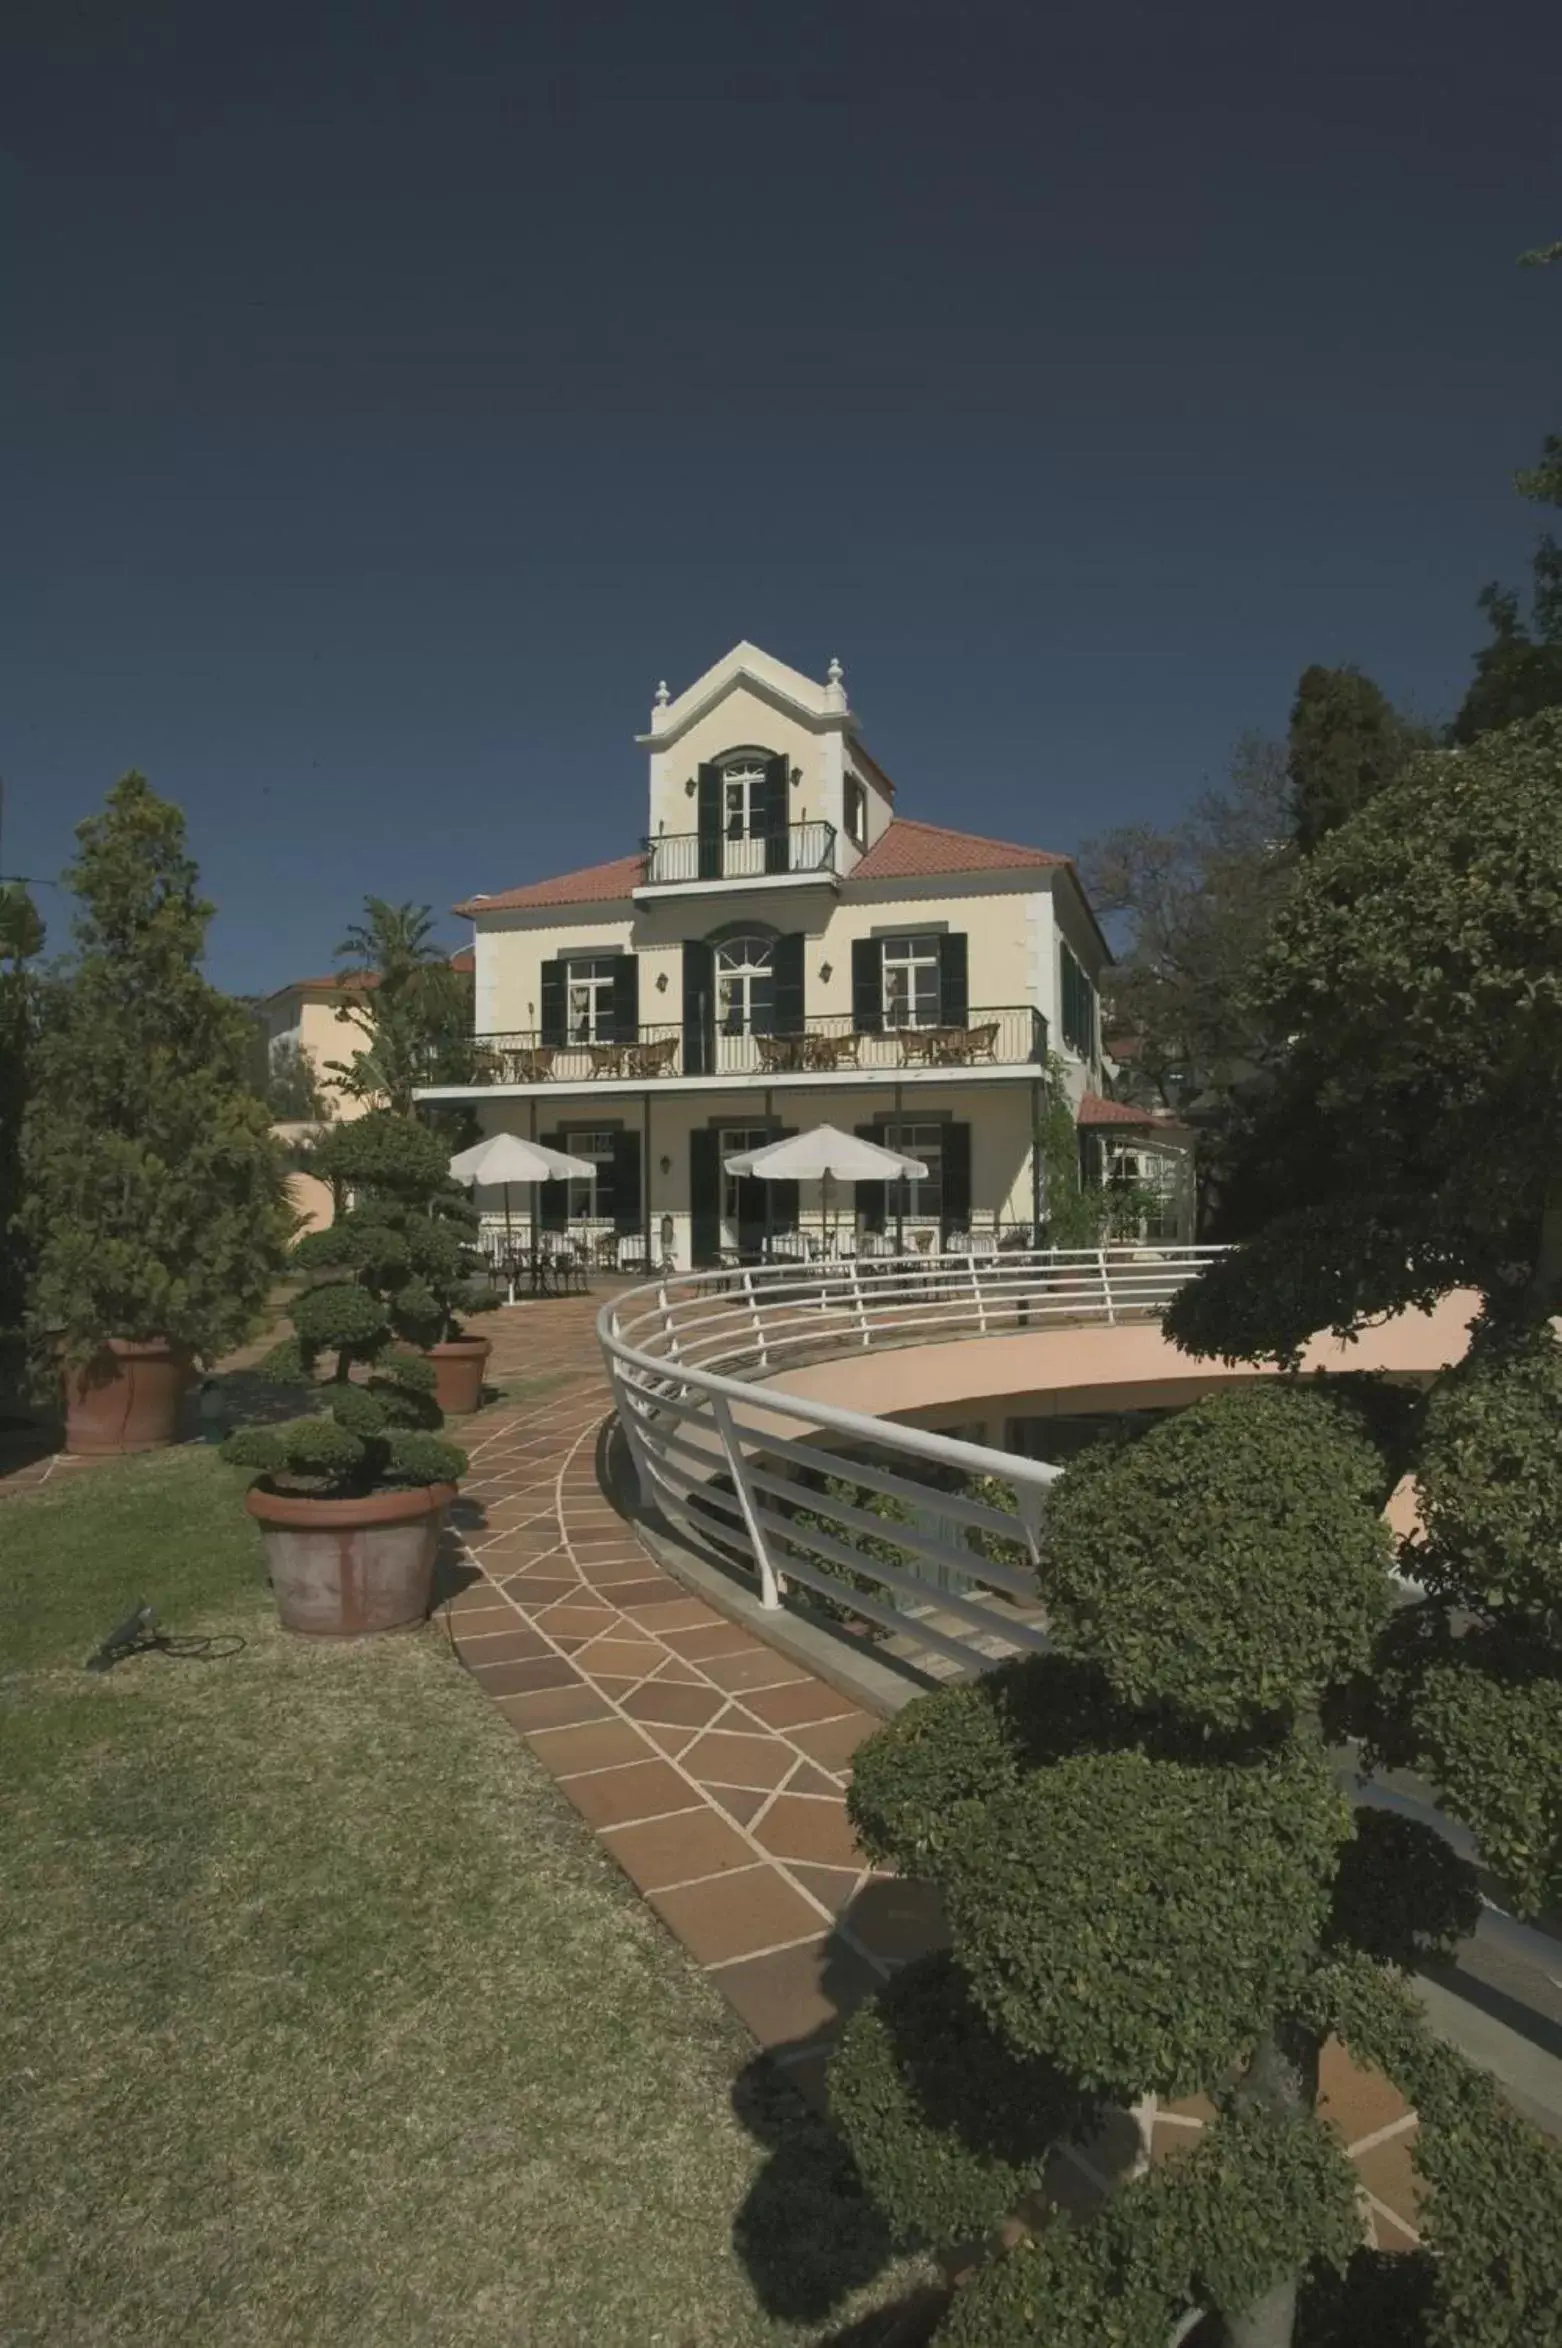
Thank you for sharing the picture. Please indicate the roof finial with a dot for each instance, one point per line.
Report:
(662, 694)
(835, 675)
(835, 687)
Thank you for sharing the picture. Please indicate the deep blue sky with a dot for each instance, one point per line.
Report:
(391, 396)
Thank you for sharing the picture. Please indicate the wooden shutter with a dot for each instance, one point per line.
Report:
(786, 960)
(704, 1197)
(708, 810)
(867, 986)
(626, 999)
(554, 976)
(626, 1182)
(773, 823)
(871, 1195)
(699, 1007)
(553, 1213)
(957, 1178)
(954, 997)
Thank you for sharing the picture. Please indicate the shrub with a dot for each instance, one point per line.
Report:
(1231, 1562)
(391, 1270)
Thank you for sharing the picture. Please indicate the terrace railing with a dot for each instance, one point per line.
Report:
(787, 1490)
(826, 1043)
(674, 857)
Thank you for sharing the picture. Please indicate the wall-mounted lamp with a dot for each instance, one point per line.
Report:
(826, 972)
(797, 776)
(666, 1164)
(690, 787)
(661, 982)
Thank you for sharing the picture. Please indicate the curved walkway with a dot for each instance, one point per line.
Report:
(714, 1770)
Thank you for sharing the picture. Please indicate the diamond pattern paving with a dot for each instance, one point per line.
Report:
(713, 1769)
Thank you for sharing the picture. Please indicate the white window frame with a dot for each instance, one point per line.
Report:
(599, 1146)
(919, 1197)
(588, 998)
(732, 1142)
(736, 980)
(910, 952)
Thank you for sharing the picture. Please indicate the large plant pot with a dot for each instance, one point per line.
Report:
(126, 1398)
(458, 1374)
(342, 1568)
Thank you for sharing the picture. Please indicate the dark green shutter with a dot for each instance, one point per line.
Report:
(867, 986)
(553, 998)
(626, 999)
(870, 1195)
(954, 996)
(773, 814)
(786, 961)
(708, 810)
(957, 1178)
(554, 1212)
(704, 1197)
(626, 1182)
(699, 1007)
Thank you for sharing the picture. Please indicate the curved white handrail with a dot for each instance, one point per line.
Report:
(734, 1459)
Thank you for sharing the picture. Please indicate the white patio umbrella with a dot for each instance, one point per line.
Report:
(824, 1155)
(505, 1158)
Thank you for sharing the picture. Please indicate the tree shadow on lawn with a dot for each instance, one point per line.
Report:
(807, 2233)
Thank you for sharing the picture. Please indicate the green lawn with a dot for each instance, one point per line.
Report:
(324, 2019)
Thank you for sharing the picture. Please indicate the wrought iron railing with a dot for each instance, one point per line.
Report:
(695, 856)
(785, 1488)
(826, 1043)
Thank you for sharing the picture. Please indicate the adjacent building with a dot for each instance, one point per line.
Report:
(784, 949)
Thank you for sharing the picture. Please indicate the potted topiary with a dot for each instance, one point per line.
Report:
(351, 1498)
(154, 1200)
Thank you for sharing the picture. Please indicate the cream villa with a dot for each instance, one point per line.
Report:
(785, 950)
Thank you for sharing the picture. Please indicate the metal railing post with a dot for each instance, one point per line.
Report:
(769, 1584)
(755, 1322)
(1106, 1287)
(669, 1334)
(858, 1305)
(976, 1291)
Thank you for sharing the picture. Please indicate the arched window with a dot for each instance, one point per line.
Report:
(745, 985)
(742, 789)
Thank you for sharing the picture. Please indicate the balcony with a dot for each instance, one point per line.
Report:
(678, 860)
(827, 1045)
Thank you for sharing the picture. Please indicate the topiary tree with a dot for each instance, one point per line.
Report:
(1418, 968)
(155, 1200)
(391, 1274)
(1154, 1886)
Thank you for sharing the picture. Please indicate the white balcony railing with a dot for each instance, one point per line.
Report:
(747, 1468)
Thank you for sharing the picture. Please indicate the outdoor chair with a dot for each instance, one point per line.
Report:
(531, 1064)
(781, 1054)
(655, 1059)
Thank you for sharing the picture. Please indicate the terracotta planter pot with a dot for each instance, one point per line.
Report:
(341, 1568)
(458, 1374)
(127, 1398)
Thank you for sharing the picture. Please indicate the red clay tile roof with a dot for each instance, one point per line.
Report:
(907, 848)
(463, 960)
(1094, 1110)
(597, 885)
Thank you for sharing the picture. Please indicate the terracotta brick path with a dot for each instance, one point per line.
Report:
(715, 1770)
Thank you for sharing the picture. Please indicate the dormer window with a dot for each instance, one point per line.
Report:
(856, 812)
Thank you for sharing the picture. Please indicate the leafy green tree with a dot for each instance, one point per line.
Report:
(1346, 740)
(412, 1008)
(1419, 965)
(155, 1200)
(21, 941)
(1193, 906)
(392, 1273)
(1518, 672)
(293, 1092)
(1154, 1886)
